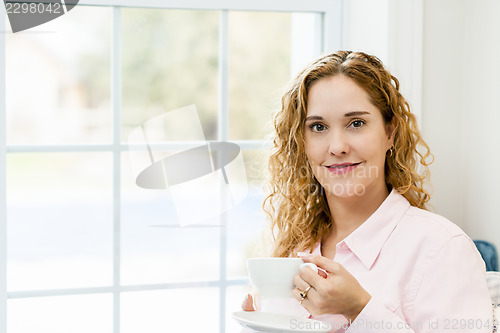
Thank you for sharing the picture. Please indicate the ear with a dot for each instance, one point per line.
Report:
(390, 129)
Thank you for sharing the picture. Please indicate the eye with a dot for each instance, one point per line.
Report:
(357, 123)
(316, 127)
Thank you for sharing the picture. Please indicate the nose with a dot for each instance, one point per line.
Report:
(339, 144)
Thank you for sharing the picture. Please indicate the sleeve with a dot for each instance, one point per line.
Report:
(450, 296)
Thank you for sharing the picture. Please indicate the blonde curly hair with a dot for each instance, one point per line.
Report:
(296, 206)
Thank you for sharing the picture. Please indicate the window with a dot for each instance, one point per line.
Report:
(82, 247)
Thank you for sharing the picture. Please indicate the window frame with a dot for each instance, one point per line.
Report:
(331, 26)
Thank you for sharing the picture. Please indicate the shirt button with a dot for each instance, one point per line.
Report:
(343, 246)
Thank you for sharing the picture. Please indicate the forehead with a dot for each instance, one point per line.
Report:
(338, 95)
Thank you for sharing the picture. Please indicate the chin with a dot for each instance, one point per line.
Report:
(345, 191)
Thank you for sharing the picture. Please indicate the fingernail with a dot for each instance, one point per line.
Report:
(303, 254)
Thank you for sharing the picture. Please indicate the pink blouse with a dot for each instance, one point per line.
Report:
(423, 272)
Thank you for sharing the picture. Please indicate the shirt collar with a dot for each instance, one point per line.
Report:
(367, 240)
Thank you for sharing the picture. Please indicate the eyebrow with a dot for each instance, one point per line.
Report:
(348, 114)
(356, 113)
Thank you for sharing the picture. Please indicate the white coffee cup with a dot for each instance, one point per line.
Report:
(273, 277)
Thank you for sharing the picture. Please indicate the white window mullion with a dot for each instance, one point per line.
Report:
(319, 47)
(116, 97)
(3, 194)
(128, 288)
(305, 49)
(333, 26)
(166, 146)
(223, 135)
(223, 114)
(255, 5)
(76, 148)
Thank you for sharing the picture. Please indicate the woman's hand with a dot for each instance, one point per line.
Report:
(337, 293)
(247, 304)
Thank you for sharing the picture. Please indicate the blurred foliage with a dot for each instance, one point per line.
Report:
(170, 59)
(259, 69)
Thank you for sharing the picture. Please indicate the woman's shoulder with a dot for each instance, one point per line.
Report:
(429, 238)
(431, 226)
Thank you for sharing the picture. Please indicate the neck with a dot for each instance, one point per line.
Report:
(348, 213)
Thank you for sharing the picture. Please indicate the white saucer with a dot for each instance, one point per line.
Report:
(279, 323)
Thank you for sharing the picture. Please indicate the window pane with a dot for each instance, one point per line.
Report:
(246, 221)
(61, 314)
(155, 248)
(259, 69)
(306, 40)
(234, 297)
(170, 60)
(266, 50)
(58, 80)
(180, 310)
(59, 220)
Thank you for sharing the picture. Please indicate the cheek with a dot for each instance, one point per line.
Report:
(373, 145)
(313, 153)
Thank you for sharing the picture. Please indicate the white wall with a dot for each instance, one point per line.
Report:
(481, 118)
(461, 111)
(442, 103)
(367, 27)
(446, 54)
(391, 30)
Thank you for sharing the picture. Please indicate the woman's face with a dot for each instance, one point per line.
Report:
(346, 138)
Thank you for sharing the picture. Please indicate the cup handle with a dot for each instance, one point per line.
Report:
(310, 264)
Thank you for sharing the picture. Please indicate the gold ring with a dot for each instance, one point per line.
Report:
(303, 294)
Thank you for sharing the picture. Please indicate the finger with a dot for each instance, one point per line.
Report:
(311, 277)
(296, 294)
(300, 283)
(305, 301)
(320, 270)
(326, 264)
(247, 304)
(322, 273)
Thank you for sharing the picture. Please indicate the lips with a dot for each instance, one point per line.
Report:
(342, 168)
(342, 165)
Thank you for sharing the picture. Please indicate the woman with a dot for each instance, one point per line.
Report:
(346, 196)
